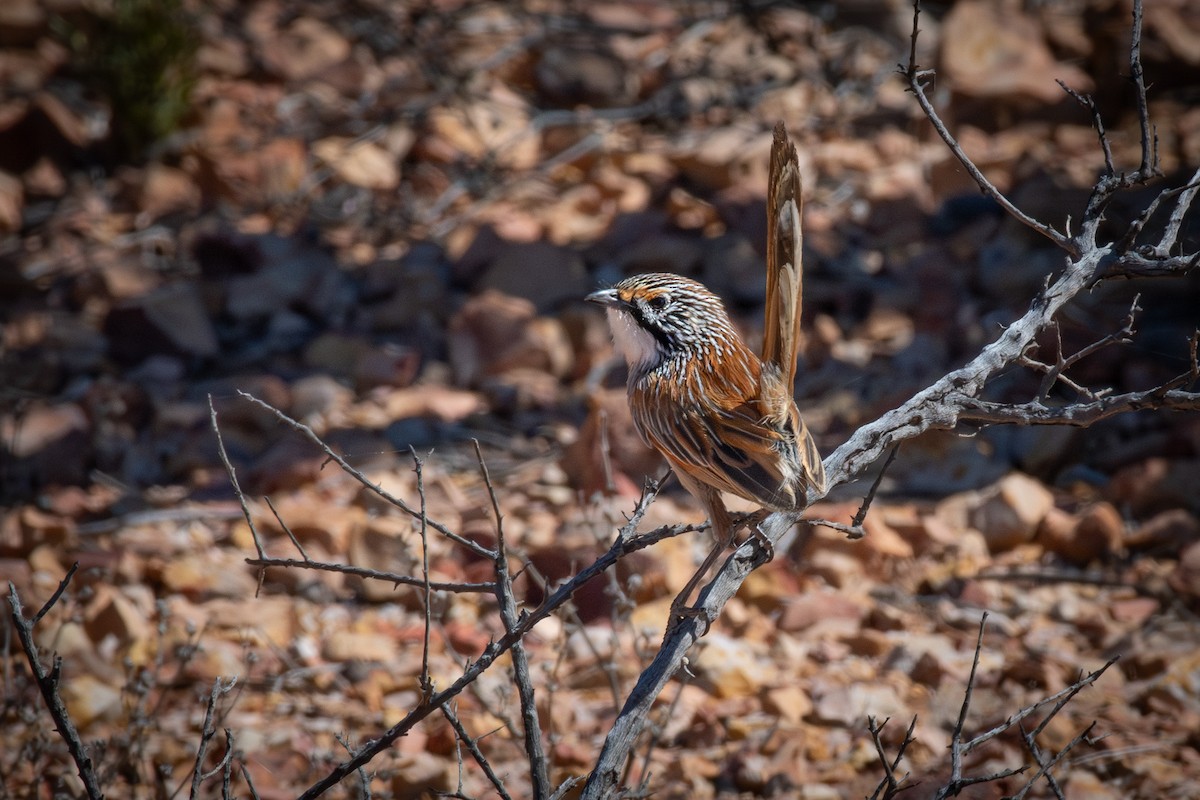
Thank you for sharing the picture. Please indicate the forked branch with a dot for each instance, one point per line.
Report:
(958, 396)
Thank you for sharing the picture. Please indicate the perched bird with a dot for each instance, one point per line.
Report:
(725, 419)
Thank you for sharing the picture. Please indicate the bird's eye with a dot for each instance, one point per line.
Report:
(658, 302)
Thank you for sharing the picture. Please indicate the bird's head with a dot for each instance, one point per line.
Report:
(658, 316)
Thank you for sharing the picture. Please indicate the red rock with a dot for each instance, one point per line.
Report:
(358, 162)
(1186, 577)
(303, 50)
(1009, 512)
(166, 190)
(494, 333)
(1167, 531)
(12, 203)
(1134, 610)
(1156, 484)
(113, 614)
(812, 607)
(994, 53)
(1094, 535)
(89, 699)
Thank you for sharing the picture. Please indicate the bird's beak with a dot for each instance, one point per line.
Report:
(604, 297)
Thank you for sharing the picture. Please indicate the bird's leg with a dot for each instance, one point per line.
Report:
(723, 535)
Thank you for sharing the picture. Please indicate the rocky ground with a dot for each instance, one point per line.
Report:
(381, 219)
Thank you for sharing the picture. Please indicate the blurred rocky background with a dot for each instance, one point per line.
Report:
(381, 218)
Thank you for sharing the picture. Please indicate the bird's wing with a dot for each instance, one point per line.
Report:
(738, 450)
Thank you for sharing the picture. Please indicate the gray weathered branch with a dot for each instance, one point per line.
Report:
(957, 397)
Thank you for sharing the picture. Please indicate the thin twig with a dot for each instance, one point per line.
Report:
(1045, 767)
(531, 725)
(956, 749)
(890, 786)
(207, 732)
(1097, 123)
(627, 541)
(398, 502)
(364, 781)
(48, 684)
(855, 529)
(1149, 165)
(1062, 363)
(249, 782)
(233, 480)
(373, 574)
(915, 77)
(424, 681)
(286, 529)
(472, 746)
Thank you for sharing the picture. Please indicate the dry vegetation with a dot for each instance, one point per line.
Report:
(379, 219)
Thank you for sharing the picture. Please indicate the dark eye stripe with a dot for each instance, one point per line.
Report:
(660, 336)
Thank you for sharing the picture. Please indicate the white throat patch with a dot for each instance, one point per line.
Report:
(641, 350)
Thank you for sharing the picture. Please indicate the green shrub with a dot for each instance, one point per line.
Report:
(140, 55)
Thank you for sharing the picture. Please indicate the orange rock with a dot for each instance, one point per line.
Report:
(1009, 512)
(112, 614)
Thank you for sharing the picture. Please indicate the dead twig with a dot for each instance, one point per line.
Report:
(891, 785)
(960, 746)
(534, 750)
(47, 682)
(208, 730)
(472, 746)
(855, 529)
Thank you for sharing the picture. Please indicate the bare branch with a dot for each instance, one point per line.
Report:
(1149, 165)
(627, 541)
(508, 614)
(48, 684)
(472, 746)
(1097, 122)
(286, 529)
(681, 634)
(1059, 698)
(425, 681)
(1187, 194)
(233, 481)
(373, 574)
(855, 529)
(890, 786)
(207, 732)
(399, 503)
(915, 77)
(1078, 415)
(364, 781)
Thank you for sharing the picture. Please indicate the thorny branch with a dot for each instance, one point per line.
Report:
(961, 747)
(954, 399)
(520, 658)
(517, 627)
(891, 785)
(47, 683)
(472, 746)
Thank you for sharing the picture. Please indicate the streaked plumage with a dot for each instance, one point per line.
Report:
(725, 419)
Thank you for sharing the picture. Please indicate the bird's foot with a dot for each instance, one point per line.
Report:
(681, 611)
